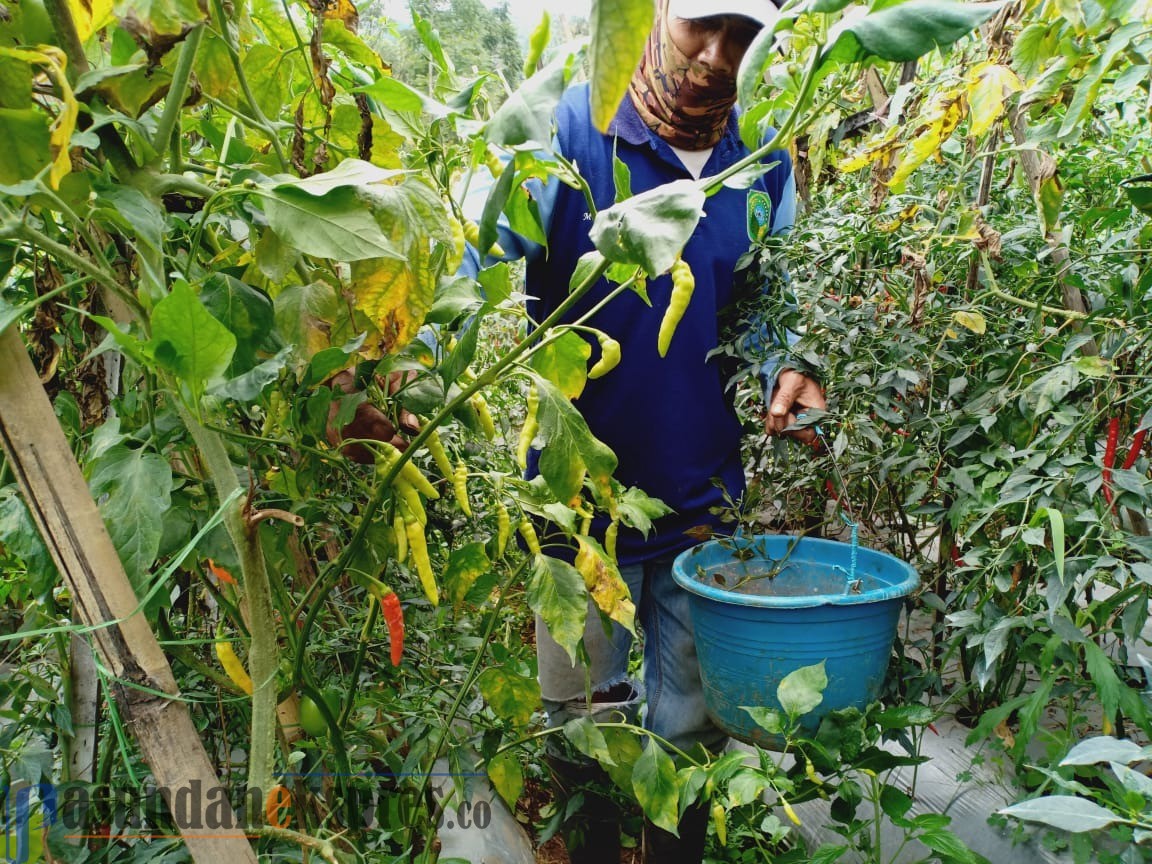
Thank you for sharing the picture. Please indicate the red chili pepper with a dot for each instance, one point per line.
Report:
(1109, 458)
(394, 618)
(956, 559)
(1134, 451)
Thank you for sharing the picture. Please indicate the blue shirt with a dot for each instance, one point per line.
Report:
(669, 420)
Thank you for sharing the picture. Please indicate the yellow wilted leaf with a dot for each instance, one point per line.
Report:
(604, 583)
(903, 216)
(881, 147)
(619, 31)
(344, 10)
(90, 16)
(950, 333)
(990, 83)
(60, 132)
(938, 123)
(395, 295)
(973, 321)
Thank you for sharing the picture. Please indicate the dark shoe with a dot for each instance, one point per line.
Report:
(662, 847)
(591, 827)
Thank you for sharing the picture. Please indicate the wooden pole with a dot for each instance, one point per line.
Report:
(143, 685)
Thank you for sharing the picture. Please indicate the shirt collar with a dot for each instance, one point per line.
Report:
(627, 124)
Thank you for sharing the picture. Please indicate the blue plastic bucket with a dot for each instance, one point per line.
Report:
(760, 613)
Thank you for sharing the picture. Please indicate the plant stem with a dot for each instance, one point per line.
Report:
(262, 121)
(1059, 312)
(263, 651)
(177, 91)
(710, 184)
(27, 233)
(465, 686)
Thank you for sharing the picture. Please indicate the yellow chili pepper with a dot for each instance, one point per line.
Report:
(720, 824)
(232, 665)
(503, 529)
(460, 487)
(401, 538)
(790, 812)
(683, 284)
(472, 235)
(529, 429)
(528, 532)
(418, 545)
(537, 42)
(408, 472)
(439, 454)
(411, 499)
(456, 254)
(487, 425)
(610, 539)
(609, 356)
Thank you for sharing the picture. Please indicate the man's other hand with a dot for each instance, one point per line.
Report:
(369, 422)
(793, 394)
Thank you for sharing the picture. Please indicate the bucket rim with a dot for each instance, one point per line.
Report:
(902, 588)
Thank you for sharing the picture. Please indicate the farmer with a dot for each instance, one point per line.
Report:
(669, 420)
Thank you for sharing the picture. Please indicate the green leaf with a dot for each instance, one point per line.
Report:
(507, 777)
(619, 29)
(20, 537)
(1105, 748)
(493, 206)
(1050, 199)
(312, 317)
(759, 55)
(746, 786)
(138, 486)
(564, 362)
(768, 719)
(513, 697)
(349, 173)
(905, 31)
(1093, 366)
(1088, 90)
(625, 751)
(556, 593)
(340, 225)
(948, 846)
(526, 115)
(622, 178)
(10, 313)
(250, 384)
(586, 737)
(496, 282)
(650, 229)
(569, 446)
(188, 341)
(246, 311)
(802, 690)
(465, 565)
(455, 297)
(24, 140)
(654, 783)
(894, 802)
(148, 19)
(637, 510)
(1063, 811)
(904, 716)
(1139, 191)
(1104, 678)
(1056, 524)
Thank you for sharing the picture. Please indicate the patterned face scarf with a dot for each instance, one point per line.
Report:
(684, 102)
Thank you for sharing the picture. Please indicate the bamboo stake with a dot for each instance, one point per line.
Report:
(74, 532)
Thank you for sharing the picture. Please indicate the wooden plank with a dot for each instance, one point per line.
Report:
(74, 532)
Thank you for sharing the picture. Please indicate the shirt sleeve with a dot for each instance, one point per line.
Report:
(766, 335)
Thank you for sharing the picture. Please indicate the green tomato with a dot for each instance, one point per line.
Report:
(312, 718)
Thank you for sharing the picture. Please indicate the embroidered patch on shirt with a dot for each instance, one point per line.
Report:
(759, 215)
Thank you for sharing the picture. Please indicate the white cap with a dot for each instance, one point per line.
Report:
(763, 11)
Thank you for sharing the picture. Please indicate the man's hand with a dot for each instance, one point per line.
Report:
(369, 422)
(792, 395)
